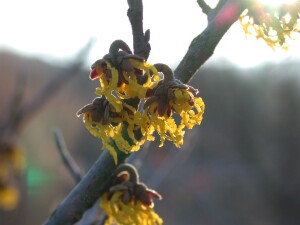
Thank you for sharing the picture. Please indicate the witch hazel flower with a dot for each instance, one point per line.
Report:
(128, 201)
(127, 82)
(172, 97)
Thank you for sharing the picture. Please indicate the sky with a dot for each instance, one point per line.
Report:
(56, 30)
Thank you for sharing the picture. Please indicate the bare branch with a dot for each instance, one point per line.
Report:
(141, 44)
(203, 46)
(66, 156)
(87, 191)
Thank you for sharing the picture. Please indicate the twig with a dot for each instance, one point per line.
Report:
(141, 44)
(87, 191)
(211, 12)
(203, 46)
(91, 214)
(66, 156)
(205, 8)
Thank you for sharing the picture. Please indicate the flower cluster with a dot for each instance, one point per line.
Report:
(11, 163)
(126, 82)
(273, 25)
(173, 97)
(128, 201)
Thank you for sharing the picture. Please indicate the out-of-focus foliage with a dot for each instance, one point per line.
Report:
(275, 25)
(240, 167)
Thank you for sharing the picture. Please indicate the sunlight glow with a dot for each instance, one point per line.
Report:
(276, 3)
(59, 37)
(287, 18)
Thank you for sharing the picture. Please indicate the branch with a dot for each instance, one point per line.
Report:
(141, 44)
(220, 4)
(87, 191)
(203, 46)
(103, 220)
(211, 13)
(99, 177)
(205, 8)
(92, 216)
(66, 156)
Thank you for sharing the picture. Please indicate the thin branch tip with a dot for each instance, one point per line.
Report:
(141, 40)
(202, 47)
(66, 157)
(204, 6)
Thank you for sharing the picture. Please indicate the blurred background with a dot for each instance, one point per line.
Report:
(241, 166)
